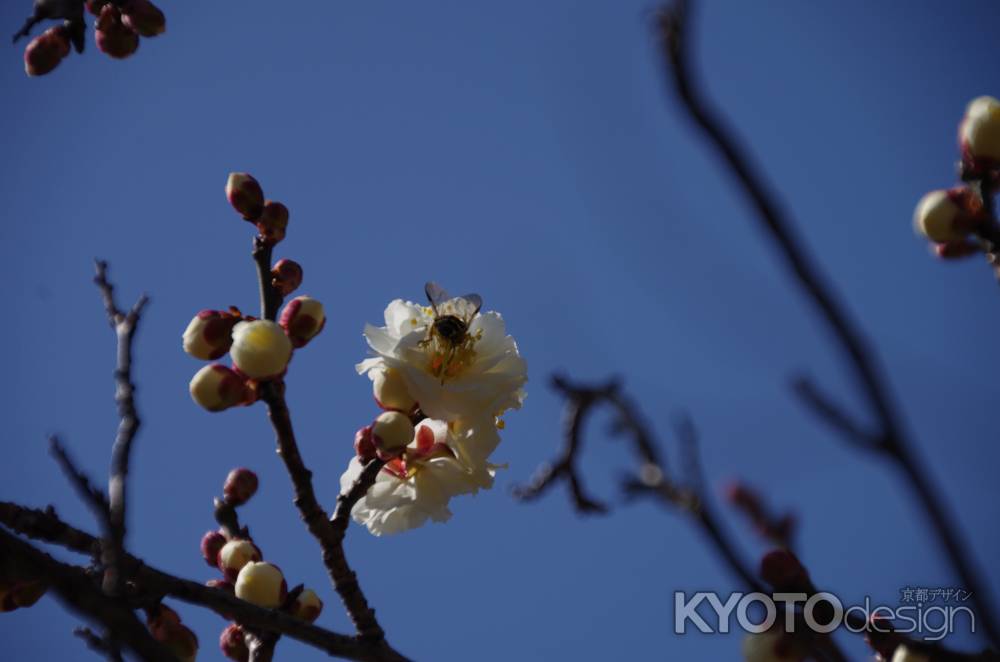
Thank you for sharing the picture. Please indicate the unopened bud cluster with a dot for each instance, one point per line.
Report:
(117, 29)
(956, 220)
(260, 349)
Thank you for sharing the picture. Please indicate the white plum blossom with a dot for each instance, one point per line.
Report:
(417, 486)
(483, 377)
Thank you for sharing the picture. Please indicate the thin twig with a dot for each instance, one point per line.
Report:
(674, 28)
(103, 645)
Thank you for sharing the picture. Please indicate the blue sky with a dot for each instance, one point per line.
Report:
(530, 152)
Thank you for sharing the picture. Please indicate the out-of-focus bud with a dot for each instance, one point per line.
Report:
(179, 640)
(308, 605)
(364, 447)
(25, 594)
(240, 485)
(234, 555)
(112, 36)
(944, 216)
(302, 319)
(144, 18)
(233, 643)
(955, 250)
(770, 646)
(245, 195)
(46, 51)
(210, 334)
(216, 387)
(979, 133)
(286, 276)
(904, 654)
(262, 584)
(390, 391)
(273, 222)
(782, 570)
(95, 6)
(391, 432)
(260, 350)
(211, 543)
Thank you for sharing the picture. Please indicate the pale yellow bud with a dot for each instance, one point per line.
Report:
(935, 217)
(390, 390)
(392, 431)
(980, 129)
(215, 387)
(261, 584)
(308, 605)
(261, 349)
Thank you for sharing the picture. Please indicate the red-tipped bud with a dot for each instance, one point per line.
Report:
(46, 51)
(391, 432)
(216, 387)
(211, 543)
(241, 484)
(262, 584)
(364, 446)
(144, 18)
(302, 319)
(245, 195)
(112, 36)
(233, 643)
(286, 276)
(234, 555)
(273, 222)
(210, 334)
(782, 570)
(308, 605)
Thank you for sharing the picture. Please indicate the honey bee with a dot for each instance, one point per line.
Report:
(452, 316)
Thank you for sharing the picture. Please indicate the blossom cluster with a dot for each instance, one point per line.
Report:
(442, 396)
(260, 349)
(957, 220)
(118, 27)
(244, 572)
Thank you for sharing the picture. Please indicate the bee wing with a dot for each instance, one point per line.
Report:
(473, 302)
(436, 295)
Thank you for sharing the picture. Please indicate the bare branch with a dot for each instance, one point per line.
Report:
(270, 297)
(103, 645)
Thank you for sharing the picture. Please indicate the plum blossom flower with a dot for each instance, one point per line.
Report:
(481, 378)
(417, 486)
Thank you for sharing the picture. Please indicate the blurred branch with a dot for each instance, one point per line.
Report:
(890, 440)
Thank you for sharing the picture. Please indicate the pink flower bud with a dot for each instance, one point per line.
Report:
(211, 543)
(261, 584)
(260, 349)
(241, 484)
(302, 319)
(111, 35)
(210, 334)
(273, 222)
(307, 606)
(364, 447)
(234, 555)
(391, 432)
(286, 276)
(216, 387)
(979, 134)
(144, 18)
(245, 195)
(233, 643)
(46, 51)
(390, 390)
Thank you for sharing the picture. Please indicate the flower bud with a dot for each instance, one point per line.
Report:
(391, 432)
(234, 555)
(245, 195)
(233, 643)
(179, 640)
(390, 390)
(210, 334)
(307, 606)
(940, 217)
(111, 35)
(286, 276)
(46, 51)
(260, 350)
(241, 484)
(25, 594)
(211, 543)
(273, 222)
(364, 447)
(302, 319)
(215, 387)
(904, 654)
(783, 570)
(954, 250)
(144, 18)
(979, 132)
(261, 584)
